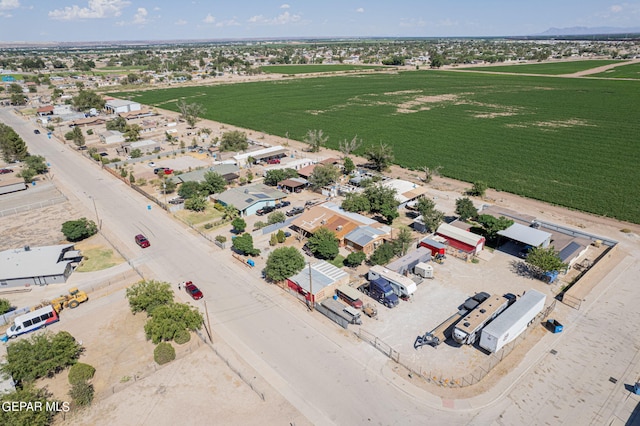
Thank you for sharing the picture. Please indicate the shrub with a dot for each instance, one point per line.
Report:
(208, 225)
(355, 259)
(80, 372)
(273, 240)
(5, 306)
(76, 230)
(82, 393)
(259, 225)
(182, 337)
(90, 131)
(164, 353)
(280, 236)
(218, 207)
(221, 238)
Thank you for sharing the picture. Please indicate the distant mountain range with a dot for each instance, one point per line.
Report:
(588, 31)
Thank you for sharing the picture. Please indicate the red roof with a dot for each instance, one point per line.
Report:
(306, 171)
(48, 108)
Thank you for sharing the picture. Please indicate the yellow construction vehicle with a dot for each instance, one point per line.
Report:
(71, 300)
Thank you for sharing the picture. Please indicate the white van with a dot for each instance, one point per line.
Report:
(32, 321)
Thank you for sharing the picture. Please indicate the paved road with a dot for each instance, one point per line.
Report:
(332, 381)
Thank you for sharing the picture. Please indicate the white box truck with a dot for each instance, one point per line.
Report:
(513, 321)
(402, 286)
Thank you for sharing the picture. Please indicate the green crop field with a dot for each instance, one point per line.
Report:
(307, 69)
(547, 68)
(623, 71)
(572, 142)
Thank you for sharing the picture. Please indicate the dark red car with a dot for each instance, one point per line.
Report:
(142, 241)
(5, 171)
(193, 291)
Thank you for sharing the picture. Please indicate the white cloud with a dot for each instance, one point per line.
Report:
(228, 23)
(412, 23)
(180, 22)
(285, 6)
(209, 19)
(9, 4)
(616, 8)
(282, 19)
(96, 9)
(360, 10)
(140, 17)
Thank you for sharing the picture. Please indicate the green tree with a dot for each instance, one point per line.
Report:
(213, 183)
(132, 132)
(230, 212)
(348, 147)
(196, 204)
(136, 153)
(273, 240)
(283, 263)
(77, 230)
(465, 209)
(87, 99)
(239, 225)
(324, 244)
(272, 177)
(382, 255)
(383, 201)
(379, 156)
(27, 174)
(354, 202)
(37, 163)
(492, 225)
(354, 259)
(77, 136)
(403, 241)
(12, 145)
(42, 355)
(545, 259)
(315, 139)
(28, 392)
(431, 217)
(436, 60)
(244, 245)
(82, 393)
(15, 89)
(168, 186)
(145, 296)
(323, 175)
(5, 306)
(276, 217)
(280, 236)
(234, 140)
(190, 112)
(168, 320)
(478, 189)
(190, 189)
(18, 99)
(429, 173)
(348, 165)
(118, 123)
(81, 372)
(164, 353)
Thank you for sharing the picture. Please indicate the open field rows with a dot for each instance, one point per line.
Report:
(307, 69)
(571, 142)
(548, 68)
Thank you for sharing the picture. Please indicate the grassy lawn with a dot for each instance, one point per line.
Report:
(306, 69)
(338, 261)
(567, 141)
(622, 71)
(98, 258)
(548, 68)
(196, 218)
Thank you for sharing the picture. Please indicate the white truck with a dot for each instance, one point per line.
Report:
(402, 286)
(512, 322)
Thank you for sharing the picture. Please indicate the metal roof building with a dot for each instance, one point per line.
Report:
(465, 241)
(527, 235)
(249, 199)
(37, 266)
(322, 278)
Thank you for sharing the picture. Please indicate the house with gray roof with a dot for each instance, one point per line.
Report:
(318, 281)
(37, 265)
(228, 171)
(249, 199)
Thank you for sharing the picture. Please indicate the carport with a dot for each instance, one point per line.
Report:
(527, 235)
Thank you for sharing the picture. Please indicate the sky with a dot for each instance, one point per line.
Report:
(117, 20)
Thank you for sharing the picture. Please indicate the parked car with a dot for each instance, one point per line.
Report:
(151, 164)
(283, 204)
(524, 253)
(265, 210)
(193, 291)
(161, 170)
(142, 241)
(36, 131)
(5, 171)
(177, 200)
(294, 211)
(273, 161)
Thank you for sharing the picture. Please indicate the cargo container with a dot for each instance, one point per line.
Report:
(512, 322)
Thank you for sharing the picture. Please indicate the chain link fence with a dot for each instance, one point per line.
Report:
(446, 380)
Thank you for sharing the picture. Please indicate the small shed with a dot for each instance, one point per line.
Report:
(318, 281)
(436, 247)
(460, 239)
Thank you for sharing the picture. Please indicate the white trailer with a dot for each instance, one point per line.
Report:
(424, 270)
(512, 322)
(402, 286)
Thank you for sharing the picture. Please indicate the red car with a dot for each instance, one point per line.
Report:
(142, 241)
(193, 291)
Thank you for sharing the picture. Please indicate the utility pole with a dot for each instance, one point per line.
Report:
(311, 298)
(96, 210)
(208, 328)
